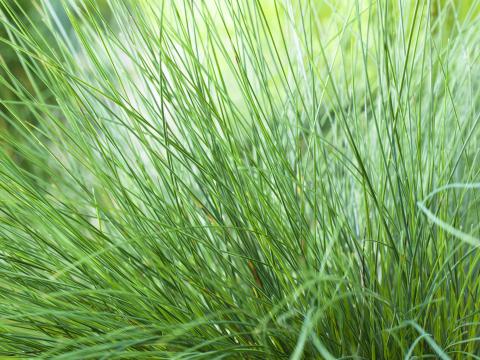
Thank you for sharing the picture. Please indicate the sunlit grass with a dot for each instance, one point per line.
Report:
(240, 179)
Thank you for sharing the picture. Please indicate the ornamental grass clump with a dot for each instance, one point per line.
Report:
(251, 179)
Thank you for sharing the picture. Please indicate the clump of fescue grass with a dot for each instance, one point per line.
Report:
(240, 179)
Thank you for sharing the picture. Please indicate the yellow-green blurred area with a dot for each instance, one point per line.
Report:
(332, 27)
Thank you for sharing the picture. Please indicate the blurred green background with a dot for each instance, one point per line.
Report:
(27, 10)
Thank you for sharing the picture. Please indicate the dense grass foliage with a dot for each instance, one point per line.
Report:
(240, 179)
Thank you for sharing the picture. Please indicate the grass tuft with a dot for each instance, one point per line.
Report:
(251, 179)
